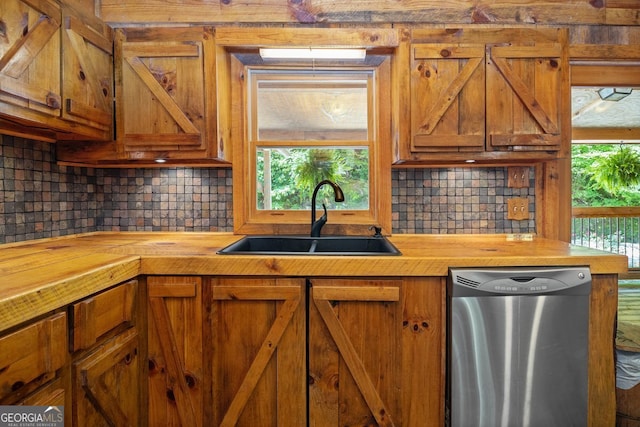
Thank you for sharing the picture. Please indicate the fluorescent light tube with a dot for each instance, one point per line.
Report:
(312, 53)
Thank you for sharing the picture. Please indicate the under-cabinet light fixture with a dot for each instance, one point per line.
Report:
(312, 53)
(160, 160)
(614, 93)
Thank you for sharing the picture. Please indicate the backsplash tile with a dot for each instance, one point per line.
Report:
(458, 200)
(167, 199)
(39, 198)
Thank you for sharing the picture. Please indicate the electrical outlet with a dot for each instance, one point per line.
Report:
(518, 177)
(518, 208)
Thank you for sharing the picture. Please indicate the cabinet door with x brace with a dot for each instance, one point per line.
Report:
(355, 331)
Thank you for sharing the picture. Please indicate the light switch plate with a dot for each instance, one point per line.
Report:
(518, 177)
(518, 208)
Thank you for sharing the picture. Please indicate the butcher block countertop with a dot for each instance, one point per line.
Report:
(42, 275)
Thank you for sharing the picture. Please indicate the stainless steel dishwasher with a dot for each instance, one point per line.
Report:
(517, 346)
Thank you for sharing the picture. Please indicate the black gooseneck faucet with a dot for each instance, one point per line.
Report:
(316, 226)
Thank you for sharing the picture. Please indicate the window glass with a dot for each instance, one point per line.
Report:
(605, 113)
(306, 106)
(308, 126)
(286, 177)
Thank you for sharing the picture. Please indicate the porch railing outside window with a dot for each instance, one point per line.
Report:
(613, 229)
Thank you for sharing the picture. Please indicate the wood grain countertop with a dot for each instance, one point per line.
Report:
(42, 275)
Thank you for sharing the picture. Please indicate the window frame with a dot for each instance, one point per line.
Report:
(602, 65)
(249, 220)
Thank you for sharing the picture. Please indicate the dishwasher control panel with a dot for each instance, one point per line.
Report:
(520, 280)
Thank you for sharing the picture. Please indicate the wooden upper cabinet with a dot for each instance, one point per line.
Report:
(165, 93)
(87, 75)
(56, 72)
(447, 97)
(524, 95)
(486, 95)
(30, 62)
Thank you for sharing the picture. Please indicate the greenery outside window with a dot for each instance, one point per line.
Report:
(287, 176)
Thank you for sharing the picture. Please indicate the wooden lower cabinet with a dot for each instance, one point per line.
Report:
(106, 367)
(375, 352)
(105, 386)
(295, 351)
(83, 357)
(32, 362)
(175, 351)
(267, 351)
(355, 333)
(258, 352)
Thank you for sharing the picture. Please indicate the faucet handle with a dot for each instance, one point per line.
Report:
(378, 230)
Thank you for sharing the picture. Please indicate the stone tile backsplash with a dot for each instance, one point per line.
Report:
(39, 198)
(459, 200)
(167, 199)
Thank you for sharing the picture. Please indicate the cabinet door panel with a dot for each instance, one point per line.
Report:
(30, 58)
(175, 351)
(87, 84)
(106, 384)
(447, 97)
(172, 118)
(165, 90)
(258, 352)
(355, 329)
(523, 111)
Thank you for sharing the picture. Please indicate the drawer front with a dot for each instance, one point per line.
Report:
(30, 356)
(50, 395)
(102, 313)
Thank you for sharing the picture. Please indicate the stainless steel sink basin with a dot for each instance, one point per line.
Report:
(303, 245)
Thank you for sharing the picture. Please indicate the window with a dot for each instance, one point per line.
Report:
(605, 148)
(292, 115)
(306, 124)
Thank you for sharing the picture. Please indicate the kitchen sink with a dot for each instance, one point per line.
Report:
(304, 245)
